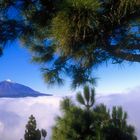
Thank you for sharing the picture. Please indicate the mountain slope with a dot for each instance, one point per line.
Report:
(15, 90)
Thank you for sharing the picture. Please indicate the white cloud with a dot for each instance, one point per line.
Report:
(1, 127)
(14, 113)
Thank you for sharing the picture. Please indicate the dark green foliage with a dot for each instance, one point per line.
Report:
(94, 122)
(31, 132)
(83, 34)
(88, 98)
(117, 128)
(43, 133)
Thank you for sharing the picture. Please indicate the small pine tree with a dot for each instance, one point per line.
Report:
(43, 134)
(31, 132)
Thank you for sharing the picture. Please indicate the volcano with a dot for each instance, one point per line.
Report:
(11, 89)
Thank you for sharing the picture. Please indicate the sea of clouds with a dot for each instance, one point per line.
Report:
(14, 112)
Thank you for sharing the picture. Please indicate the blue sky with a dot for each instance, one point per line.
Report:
(16, 65)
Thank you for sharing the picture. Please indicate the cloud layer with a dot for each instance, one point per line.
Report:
(14, 113)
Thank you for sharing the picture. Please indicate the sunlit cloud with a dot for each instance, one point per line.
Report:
(14, 113)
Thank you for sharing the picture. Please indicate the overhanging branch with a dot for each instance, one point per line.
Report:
(124, 55)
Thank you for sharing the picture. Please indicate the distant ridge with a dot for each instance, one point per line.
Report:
(11, 89)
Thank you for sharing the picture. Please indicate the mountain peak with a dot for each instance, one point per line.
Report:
(8, 88)
(9, 80)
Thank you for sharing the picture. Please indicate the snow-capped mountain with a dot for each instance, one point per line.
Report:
(15, 90)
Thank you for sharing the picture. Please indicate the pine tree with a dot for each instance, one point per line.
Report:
(43, 133)
(31, 132)
(74, 36)
(117, 127)
(91, 122)
(88, 97)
